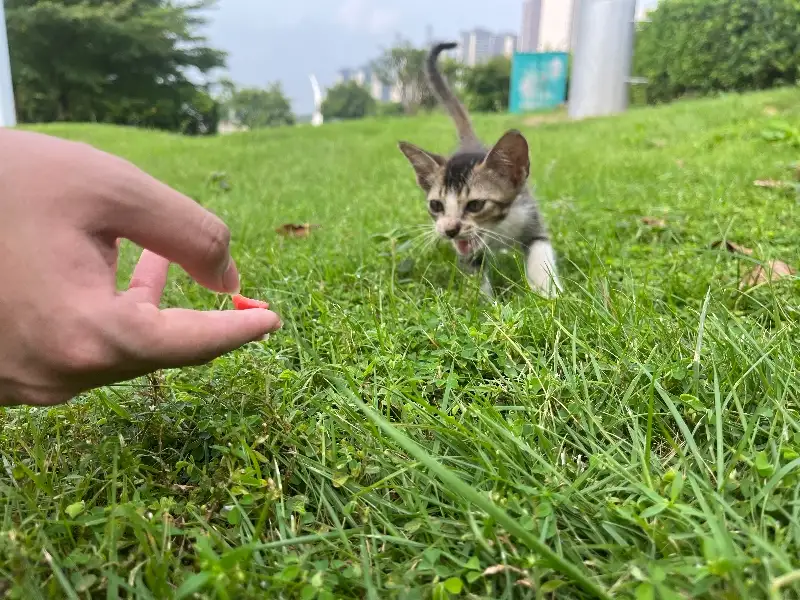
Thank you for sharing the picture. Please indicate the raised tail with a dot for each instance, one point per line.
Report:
(445, 95)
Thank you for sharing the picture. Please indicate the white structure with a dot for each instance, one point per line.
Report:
(316, 117)
(556, 31)
(551, 25)
(602, 59)
(230, 124)
(531, 21)
(8, 114)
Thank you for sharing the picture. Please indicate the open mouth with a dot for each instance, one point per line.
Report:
(463, 246)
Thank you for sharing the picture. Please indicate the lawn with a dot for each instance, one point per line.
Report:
(638, 437)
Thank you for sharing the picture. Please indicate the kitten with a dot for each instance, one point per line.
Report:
(479, 198)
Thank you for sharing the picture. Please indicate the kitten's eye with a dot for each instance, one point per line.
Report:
(474, 206)
(436, 206)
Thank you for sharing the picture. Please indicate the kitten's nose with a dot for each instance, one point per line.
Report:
(453, 231)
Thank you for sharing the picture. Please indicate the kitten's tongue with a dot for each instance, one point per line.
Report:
(463, 246)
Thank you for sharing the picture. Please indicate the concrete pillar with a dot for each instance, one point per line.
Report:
(601, 63)
(8, 115)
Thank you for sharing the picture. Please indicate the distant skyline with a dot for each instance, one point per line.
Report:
(269, 41)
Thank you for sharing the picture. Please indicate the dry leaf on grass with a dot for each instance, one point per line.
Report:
(292, 230)
(769, 183)
(733, 247)
(495, 569)
(770, 111)
(525, 583)
(772, 271)
(681, 163)
(654, 222)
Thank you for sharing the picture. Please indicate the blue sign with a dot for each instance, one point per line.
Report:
(538, 81)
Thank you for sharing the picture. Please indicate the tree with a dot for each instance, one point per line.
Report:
(109, 61)
(404, 66)
(453, 72)
(486, 86)
(347, 100)
(256, 108)
(700, 47)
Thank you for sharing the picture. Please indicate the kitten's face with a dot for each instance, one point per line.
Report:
(471, 192)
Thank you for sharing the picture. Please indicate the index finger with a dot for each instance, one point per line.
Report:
(170, 224)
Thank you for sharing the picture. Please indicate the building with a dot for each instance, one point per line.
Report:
(344, 75)
(480, 45)
(366, 77)
(504, 44)
(556, 31)
(531, 21)
(478, 48)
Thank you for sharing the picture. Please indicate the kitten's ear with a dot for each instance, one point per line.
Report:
(509, 158)
(425, 163)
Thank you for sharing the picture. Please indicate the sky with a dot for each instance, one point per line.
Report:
(274, 40)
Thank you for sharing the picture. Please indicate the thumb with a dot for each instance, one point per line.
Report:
(177, 337)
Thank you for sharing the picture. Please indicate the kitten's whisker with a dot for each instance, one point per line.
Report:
(497, 236)
(428, 239)
(486, 247)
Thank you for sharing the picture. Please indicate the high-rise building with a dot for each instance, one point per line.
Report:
(504, 44)
(367, 78)
(531, 22)
(463, 47)
(343, 75)
(479, 48)
(556, 31)
(479, 45)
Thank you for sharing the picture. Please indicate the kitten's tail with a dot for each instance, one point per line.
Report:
(446, 96)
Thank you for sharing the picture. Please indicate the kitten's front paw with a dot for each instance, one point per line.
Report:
(487, 289)
(541, 270)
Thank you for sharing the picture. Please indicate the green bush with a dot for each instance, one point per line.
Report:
(701, 47)
(390, 109)
(486, 86)
(347, 100)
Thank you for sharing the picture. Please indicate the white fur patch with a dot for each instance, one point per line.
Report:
(450, 217)
(541, 270)
(451, 206)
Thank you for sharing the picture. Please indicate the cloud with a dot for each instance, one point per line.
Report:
(365, 16)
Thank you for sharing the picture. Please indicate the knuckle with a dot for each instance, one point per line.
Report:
(217, 238)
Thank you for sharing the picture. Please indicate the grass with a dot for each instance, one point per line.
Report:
(403, 438)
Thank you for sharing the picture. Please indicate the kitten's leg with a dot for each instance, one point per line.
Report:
(486, 285)
(540, 268)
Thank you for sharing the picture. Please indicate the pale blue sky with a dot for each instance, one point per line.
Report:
(269, 40)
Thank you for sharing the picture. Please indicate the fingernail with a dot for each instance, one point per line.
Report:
(230, 279)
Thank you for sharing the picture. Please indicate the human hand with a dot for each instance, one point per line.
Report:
(64, 327)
